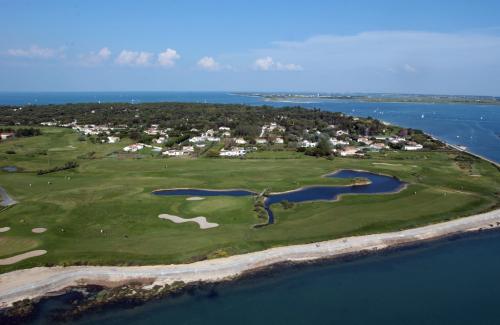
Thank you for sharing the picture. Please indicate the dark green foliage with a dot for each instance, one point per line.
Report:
(68, 165)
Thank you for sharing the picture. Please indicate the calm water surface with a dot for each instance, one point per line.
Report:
(378, 184)
(474, 126)
(447, 282)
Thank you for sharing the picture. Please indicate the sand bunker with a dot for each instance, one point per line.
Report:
(20, 257)
(201, 221)
(38, 230)
(195, 198)
(4, 229)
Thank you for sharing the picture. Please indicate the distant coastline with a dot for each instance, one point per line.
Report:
(378, 98)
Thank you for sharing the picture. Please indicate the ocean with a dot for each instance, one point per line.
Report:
(475, 126)
(453, 281)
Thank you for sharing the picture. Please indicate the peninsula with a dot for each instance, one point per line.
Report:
(159, 193)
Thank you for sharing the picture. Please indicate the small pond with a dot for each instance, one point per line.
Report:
(378, 184)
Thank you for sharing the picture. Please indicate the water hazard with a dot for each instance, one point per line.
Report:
(377, 184)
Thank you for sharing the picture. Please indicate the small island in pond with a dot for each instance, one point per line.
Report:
(128, 185)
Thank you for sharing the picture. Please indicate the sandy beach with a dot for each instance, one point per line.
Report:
(40, 281)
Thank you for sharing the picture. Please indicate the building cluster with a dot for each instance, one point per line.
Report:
(342, 142)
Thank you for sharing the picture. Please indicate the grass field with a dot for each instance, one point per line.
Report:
(111, 191)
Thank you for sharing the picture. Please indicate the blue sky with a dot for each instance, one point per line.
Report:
(447, 47)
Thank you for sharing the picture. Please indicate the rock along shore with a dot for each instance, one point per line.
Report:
(42, 281)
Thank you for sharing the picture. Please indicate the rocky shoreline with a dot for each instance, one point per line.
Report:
(21, 290)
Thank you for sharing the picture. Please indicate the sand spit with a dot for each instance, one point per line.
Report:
(4, 229)
(20, 257)
(195, 198)
(38, 230)
(201, 221)
(40, 281)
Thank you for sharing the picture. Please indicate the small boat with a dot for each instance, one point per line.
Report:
(422, 116)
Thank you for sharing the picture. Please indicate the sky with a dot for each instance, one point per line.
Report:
(431, 47)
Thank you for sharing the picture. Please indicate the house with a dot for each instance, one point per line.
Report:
(365, 140)
(261, 140)
(152, 131)
(224, 128)
(412, 146)
(173, 153)
(156, 149)
(233, 152)
(133, 147)
(349, 151)
(271, 127)
(226, 134)
(188, 149)
(112, 139)
(279, 141)
(341, 132)
(335, 142)
(308, 144)
(396, 140)
(240, 141)
(6, 135)
(160, 140)
(378, 146)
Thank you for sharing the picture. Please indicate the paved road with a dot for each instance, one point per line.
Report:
(6, 199)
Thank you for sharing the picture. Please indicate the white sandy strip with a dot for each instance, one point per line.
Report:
(201, 221)
(20, 257)
(195, 198)
(38, 230)
(4, 229)
(39, 281)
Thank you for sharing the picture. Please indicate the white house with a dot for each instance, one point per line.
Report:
(224, 128)
(5, 136)
(413, 146)
(173, 153)
(341, 132)
(261, 140)
(279, 141)
(113, 139)
(308, 144)
(160, 140)
(233, 152)
(240, 141)
(134, 147)
(336, 142)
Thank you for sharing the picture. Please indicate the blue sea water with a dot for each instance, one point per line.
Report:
(445, 282)
(475, 126)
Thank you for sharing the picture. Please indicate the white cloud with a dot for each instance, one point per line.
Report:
(134, 58)
(208, 63)
(267, 63)
(168, 57)
(96, 58)
(37, 52)
(409, 68)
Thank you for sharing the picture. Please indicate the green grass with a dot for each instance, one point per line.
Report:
(112, 192)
